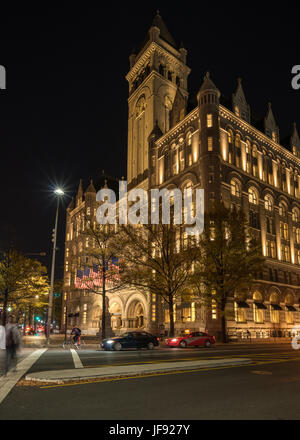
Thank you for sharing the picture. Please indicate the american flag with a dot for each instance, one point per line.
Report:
(78, 282)
(89, 278)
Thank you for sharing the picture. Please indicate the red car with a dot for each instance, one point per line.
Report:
(194, 339)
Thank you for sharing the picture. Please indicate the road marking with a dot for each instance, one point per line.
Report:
(76, 359)
(8, 382)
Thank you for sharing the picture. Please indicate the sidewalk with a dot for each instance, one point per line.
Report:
(56, 341)
(61, 376)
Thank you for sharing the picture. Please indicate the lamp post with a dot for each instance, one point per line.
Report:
(59, 192)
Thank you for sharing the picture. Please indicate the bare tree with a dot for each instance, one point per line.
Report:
(157, 259)
(98, 268)
(229, 259)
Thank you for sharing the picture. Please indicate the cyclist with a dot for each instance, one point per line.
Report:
(76, 338)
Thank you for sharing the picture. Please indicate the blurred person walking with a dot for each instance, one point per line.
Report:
(2, 349)
(13, 343)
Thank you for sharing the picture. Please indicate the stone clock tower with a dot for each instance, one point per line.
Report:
(157, 95)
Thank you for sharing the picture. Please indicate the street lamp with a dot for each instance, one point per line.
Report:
(59, 193)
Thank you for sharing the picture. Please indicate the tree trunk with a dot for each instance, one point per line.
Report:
(224, 329)
(103, 300)
(171, 313)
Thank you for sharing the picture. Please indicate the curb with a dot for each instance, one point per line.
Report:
(164, 369)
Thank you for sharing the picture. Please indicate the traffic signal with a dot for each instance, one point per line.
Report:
(53, 235)
(37, 318)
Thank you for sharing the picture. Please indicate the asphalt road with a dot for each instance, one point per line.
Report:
(267, 389)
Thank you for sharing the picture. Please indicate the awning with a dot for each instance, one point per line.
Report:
(276, 307)
(291, 309)
(243, 305)
(260, 306)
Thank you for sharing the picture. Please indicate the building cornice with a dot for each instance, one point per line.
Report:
(261, 137)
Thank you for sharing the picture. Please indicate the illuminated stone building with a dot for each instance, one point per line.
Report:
(218, 146)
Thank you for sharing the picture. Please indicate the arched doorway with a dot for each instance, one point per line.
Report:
(136, 316)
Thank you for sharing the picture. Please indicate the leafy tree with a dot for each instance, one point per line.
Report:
(98, 266)
(157, 259)
(22, 280)
(230, 258)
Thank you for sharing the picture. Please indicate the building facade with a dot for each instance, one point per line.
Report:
(216, 146)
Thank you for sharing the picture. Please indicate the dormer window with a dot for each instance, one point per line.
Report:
(274, 137)
(237, 111)
(295, 151)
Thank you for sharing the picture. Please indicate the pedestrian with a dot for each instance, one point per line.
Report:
(248, 335)
(2, 349)
(13, 343)
(76, 338)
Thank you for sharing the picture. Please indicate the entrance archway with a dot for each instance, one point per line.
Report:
(136, 315)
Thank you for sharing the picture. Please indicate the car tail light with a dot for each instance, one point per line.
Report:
(214, 339)
(157, 339)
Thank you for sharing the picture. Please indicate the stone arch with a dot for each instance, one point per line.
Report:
(274, 295)
(289, 297)
(189, 177)
(235, 186)
(257, 296)
(136, 311)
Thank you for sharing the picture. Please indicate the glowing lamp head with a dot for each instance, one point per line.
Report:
(59, 192)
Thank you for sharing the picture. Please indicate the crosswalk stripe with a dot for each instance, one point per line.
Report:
(8, 382)
(76, 359)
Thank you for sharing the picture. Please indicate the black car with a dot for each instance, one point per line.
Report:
(131, 340)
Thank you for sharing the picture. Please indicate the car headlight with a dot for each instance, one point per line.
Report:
(109, 342)
(174, 340)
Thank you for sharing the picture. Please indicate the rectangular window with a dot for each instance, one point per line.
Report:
(258, 314)
(210, 144)
(240, 315)
(289, 317)
(209, 121)
(274, 315)
(167, 314)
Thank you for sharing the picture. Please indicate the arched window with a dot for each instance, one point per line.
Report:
(238, 150)
(268, 202)
(248, 157)
(168, 108)
(282, 209)
(295, 215)
(230, 146)
(254, 162)
(235, 188)
(252, 193)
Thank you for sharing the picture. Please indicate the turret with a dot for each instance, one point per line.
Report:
(208, 101)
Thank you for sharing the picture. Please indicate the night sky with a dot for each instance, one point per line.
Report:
(64, 114)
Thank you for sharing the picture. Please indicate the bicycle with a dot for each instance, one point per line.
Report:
(69, 343)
